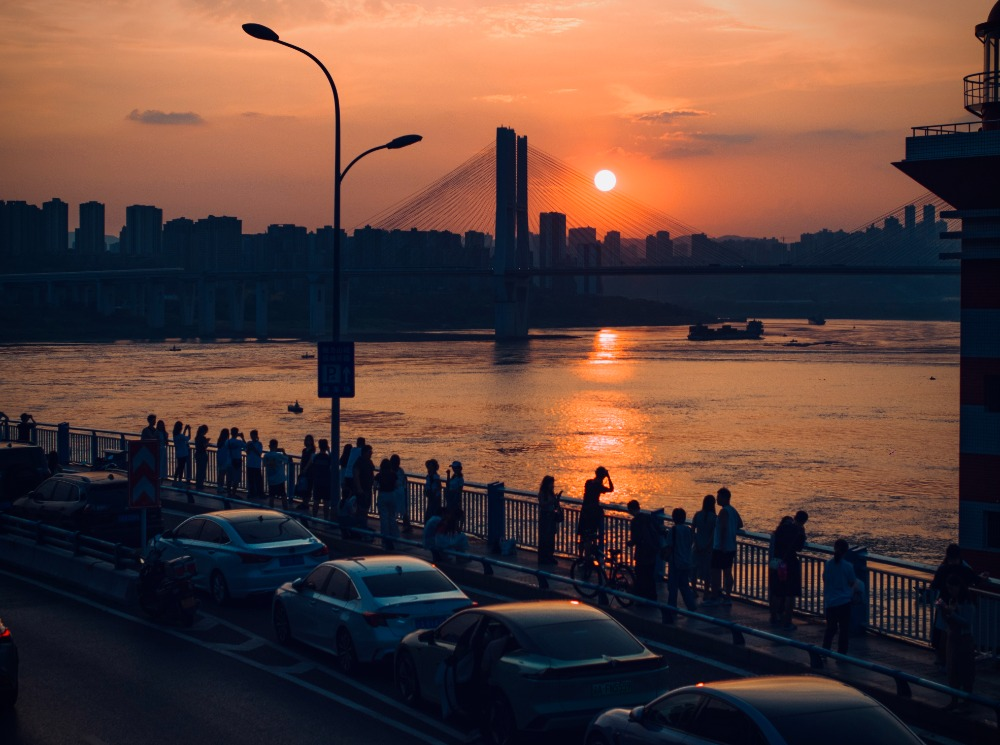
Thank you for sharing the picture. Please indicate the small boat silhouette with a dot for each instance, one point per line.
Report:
(295, 408)
(174, 348)
(308, 356)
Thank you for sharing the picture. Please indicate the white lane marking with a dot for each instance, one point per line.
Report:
(282, 673)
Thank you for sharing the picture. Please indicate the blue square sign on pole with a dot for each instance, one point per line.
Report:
(335, 363)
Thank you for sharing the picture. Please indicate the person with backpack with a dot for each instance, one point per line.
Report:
(679, 551)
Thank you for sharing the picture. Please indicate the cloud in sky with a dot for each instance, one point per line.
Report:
(153, 116)
(668, 117)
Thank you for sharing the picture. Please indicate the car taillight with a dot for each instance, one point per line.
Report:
(254, 558)
(380, 619)
(4, 633)
(321, 551)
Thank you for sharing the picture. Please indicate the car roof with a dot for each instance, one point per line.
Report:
(543, 612)
(785, 695)
(387, 564)
(246, 515)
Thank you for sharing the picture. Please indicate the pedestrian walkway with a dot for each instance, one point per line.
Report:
(711, 630)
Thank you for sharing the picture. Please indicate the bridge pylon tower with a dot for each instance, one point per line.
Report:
(511, 256)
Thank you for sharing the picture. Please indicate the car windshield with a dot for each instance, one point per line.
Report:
(270, 530)
(863, 724)
(584, 640)
(398, 584)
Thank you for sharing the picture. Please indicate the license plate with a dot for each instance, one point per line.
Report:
(290, 561)
(611, 688)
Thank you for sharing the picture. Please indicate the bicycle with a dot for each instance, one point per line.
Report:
(614, 574)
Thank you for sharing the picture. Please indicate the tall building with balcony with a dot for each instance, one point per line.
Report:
(143, 231)
(55, 228)
(89, 239)
(960, 163)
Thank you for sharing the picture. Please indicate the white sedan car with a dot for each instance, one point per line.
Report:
(359, 608)
(243, 552)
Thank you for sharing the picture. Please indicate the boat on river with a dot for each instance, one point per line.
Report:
(726, 332)
(295, 408)
(816, 320)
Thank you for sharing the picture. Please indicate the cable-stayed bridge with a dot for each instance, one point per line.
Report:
(905, 240)
(530, 224)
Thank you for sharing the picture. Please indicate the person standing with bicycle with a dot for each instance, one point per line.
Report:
(590, 528)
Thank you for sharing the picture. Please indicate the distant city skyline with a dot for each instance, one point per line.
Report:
(741, 117)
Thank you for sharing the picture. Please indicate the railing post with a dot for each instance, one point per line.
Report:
(94, 455)
(62, 442)
(495, 516)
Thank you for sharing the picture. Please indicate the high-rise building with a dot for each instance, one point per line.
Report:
(20, 230)
(90, 235)
(55, 227)
(143, 231)
(612, 248)
(551, 239)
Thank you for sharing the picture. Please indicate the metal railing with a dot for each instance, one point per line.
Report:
(947, 129)
(897, 591)
(79, 544)
(981, 88)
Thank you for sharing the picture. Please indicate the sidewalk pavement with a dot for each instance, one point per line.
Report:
(520, 576)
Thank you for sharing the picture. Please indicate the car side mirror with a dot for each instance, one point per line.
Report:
(637, 714)
(303, 583)
(167, 534)
(427, 636)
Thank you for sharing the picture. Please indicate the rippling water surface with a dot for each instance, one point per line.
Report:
(856, 421)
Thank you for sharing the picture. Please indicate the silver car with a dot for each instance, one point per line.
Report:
(243, 552)
(779, 710)
(528, 666)
(359, 608)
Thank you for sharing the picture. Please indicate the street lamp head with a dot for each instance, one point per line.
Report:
(258, 31)
(404, 141)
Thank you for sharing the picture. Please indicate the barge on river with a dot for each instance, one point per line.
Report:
(700, 332)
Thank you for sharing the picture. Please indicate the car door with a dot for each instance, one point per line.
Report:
(338, 605)
(304, 604)
(720, 722)
(668, 721)
(63, 508)
(214, 546)
(183, 540)
(454, 635)
(32, 505)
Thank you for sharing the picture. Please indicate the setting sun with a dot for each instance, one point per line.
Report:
(605, 180)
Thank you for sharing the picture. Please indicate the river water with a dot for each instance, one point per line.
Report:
(854, 421)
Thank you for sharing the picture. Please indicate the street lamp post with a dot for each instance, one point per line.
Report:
(263, 33)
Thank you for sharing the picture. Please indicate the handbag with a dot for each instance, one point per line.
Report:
(557, 515)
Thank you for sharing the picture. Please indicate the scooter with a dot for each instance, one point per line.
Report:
(166, 588)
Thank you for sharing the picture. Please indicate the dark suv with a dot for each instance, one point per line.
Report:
(93, 502)
(22, 468)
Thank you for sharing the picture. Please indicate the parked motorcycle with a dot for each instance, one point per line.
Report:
(166, 588)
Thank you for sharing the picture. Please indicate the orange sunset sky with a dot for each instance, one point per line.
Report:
(751, 117)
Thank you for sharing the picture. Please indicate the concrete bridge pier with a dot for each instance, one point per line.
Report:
(206, 308)
(188, 293)
(262, 293)
(317, 308)
(237, 309)
(156, 317)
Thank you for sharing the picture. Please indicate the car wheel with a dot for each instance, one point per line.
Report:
(282, 626)
(499, 726)
(347, 655)
(218, 588)
(407, 680)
